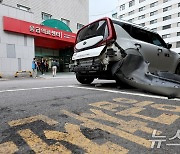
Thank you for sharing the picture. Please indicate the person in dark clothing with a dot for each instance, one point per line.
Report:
(42, 66)
(46, 65)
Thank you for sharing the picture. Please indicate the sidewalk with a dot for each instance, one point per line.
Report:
(48, 75)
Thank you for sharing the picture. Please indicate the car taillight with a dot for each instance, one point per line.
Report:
(112, 34)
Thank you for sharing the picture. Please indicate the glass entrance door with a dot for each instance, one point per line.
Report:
(65, 59)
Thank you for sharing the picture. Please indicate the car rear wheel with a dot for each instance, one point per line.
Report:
(83, 79)
(178, 70)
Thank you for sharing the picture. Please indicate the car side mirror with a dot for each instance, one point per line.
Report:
(169, 45)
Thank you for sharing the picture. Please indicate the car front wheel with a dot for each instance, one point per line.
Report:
(84, 79)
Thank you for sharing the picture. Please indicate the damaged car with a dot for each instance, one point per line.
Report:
(127, 53)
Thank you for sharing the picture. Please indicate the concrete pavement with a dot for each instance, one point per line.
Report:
(47, 75)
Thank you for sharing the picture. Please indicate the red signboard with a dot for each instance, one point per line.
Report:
(44, 36)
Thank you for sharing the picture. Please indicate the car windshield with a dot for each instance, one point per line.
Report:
(98, 28)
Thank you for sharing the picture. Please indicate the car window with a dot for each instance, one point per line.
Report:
(142, 35)
(98, 28)
(135, 32)
(126, 27)
(157, 40)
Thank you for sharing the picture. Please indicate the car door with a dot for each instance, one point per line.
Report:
(164, 56)
(147, 49)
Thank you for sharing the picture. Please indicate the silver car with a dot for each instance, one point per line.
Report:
(103, 43)
(150, 44)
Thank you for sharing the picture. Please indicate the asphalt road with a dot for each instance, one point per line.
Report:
(59, 115)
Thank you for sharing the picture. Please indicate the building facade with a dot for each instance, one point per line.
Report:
(162, 16)
(23, 35)
(74, 13)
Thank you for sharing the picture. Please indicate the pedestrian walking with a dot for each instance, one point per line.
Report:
(34, 68)
(46, 65)
(42, 66)
(54, 65)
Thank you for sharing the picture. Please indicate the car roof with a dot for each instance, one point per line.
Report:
(133, 24)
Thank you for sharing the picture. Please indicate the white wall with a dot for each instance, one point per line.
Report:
(8, 66)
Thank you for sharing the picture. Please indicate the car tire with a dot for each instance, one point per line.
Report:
(84, 79)
(178, 70)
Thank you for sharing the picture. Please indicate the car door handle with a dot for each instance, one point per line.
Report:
(159, 50)
(137, 45)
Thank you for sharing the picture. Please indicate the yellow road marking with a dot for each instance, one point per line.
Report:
(75, 137)
(129, 126)
(165, 107)
(132, 101)
(163, 118)
(39, 146)
(106, 105)
(125, 100)
(92, 124)
(8, 148)
(32, 119)
(144, 103)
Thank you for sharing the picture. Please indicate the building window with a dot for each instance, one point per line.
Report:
(178, 4)
(178, 24)
(141, 8)
(154, 4)
(179, 14)
(167, 8)
(178, 44)
(166, 36)
(67, 22)
(164, 1)
(79, 26)
(154, 29)
(167, 18)
(166, 27)
(153, 13)
(25, 8)
(46, 16)
(131, 20)
(131, 3)
(142, 24)
(131, 12)
(141, 17)
(121, 16)
(114, 15)
(140, 1)
(11, 53)
(153, 21)
(178, 33)
(122, 7)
